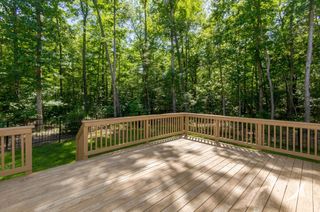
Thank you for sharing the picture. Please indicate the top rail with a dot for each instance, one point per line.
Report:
(15, 130)
(128, 118)
(257, 120)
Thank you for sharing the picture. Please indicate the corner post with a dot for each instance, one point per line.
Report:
(29, 152)
(82, 143)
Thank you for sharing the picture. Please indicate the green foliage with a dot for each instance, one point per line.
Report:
(215, 58)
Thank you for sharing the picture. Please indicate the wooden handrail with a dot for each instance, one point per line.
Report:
(103, 135)
(258, 121)
(295, 138)
(96, 122)
(15, 141)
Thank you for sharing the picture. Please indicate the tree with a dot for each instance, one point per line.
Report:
(39, 11)
(84, 10)
(112, 68)
(308, 63)
(76, 59)
(270, 85)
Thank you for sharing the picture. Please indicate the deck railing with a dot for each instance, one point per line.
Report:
(295, 138)
(98, 136)
(15, 150)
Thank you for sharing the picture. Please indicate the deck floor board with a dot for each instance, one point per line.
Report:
(185, 175)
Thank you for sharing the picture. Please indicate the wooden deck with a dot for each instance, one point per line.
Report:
(178, 175)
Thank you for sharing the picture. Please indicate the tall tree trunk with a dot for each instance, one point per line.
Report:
(292, 78)
(270, 85)
(186, 108)
(173, 89)
(15, 64)
(145, 60)
(38, 63)
(60, 57)
(238, 86)
(116, 101)
(223, 98)
(257, 55)
(308, 63)
(84, 11)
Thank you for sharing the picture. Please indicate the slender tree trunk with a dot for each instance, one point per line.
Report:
(145, 60)
(84, 10)
(308, 63)
(257, 55)
(101, 85)
(223, 98)
(38, 64)
(173, 89)
(116, 101)
(239, 88)
(60, 58)
(15, 65)
(186, 70)
(270, 85)
(292, 78)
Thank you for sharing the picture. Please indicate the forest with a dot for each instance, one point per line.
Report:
(109, 58)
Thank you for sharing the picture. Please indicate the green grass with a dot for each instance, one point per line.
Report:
(48, 156)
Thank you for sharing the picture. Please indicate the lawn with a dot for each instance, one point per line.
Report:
(50, 155)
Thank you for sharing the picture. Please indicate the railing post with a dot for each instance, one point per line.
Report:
(85, 143)
(82, 143)
(185, 119)
(217, 133)
(147, 129)
(29, 152)
(258, 136)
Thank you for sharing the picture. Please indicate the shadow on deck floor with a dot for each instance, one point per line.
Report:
(182, 174)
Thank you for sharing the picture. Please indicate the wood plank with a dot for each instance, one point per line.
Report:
(93, 185)
(170, 176)
(178, 190)
(276, 196)
(167, 191)
(305, 199)
(246, 198)
(200, 183)
(262, 195)
(212, 194)
(149, 187)
(111, 160)
(316, 186)
(290, 198)
(228, 202)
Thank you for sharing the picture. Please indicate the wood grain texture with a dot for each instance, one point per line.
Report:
(182, 174)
